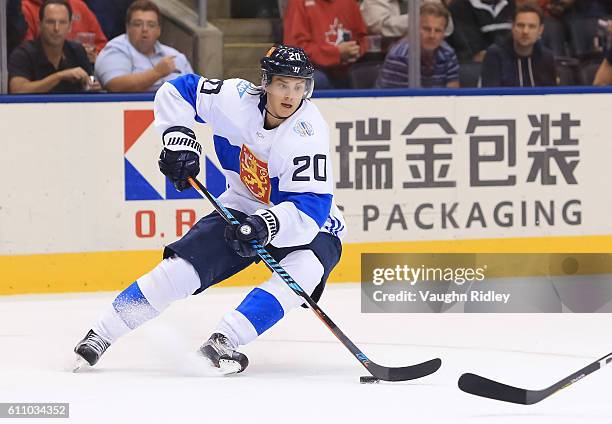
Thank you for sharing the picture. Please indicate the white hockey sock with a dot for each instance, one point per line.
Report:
(265, 305)
(173, 279)
(110, 326)
(238, 330)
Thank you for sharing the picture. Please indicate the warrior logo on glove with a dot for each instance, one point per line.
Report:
(260, 227)
(180, 158)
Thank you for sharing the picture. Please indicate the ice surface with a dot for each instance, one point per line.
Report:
(298, 372)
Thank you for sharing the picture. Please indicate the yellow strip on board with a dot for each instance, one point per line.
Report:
(100, 271)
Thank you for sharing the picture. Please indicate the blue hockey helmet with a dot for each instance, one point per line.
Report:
(287, 61)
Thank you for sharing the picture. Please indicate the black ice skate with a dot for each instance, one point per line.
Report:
(89, 350)
(220, 353)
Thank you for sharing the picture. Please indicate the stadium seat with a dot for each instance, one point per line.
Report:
(553, 37)
(584, 38)
(567, 70)
(364, 74)
(469, 74)
(586, 73)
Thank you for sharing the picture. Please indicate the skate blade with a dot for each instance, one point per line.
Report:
(194, 364)
(80, 365)
(229, 367)
(226, 366)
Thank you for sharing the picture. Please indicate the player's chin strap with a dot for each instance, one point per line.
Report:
(382, 373)
(279, 117)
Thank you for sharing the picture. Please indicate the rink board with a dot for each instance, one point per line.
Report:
(513, 173)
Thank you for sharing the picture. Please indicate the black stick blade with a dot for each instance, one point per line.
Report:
(481, 386)
(411, 372)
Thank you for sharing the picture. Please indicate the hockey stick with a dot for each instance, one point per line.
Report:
(480, 386)
(380, 372)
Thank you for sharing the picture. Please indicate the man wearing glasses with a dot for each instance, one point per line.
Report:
(51, 63)
(136, 61)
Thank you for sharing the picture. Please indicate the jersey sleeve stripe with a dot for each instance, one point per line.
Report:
(187, 86)
(227, 153)
(315, 205)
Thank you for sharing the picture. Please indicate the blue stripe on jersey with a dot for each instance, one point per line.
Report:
(262, 309)
(274, 197)
(227, 153)
(315, 205)
(133, 307)
(187, 86)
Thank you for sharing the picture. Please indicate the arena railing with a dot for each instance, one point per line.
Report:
(421, 92)
(3, 49)
(202, 12)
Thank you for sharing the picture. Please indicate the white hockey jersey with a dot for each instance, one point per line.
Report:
(287, 169)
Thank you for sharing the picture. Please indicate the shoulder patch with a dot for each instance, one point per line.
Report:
(242, 87)
(303, 128)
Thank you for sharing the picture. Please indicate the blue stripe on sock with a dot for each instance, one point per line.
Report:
(262, 309)
(133, 307)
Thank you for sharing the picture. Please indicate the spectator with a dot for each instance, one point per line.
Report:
(592, 8)
(389, 18)
(556, 8)
(521, 60)
(332, 33)
(282, 6)
(83, 21)
(241, 9)
(50, 63)
(478, 24)
(16, 26)
(137, 61)
(556, 31)
(588, 39)
(439, 64)
(110, 15)
(604, 73)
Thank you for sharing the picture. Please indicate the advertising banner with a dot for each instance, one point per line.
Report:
(84, 206)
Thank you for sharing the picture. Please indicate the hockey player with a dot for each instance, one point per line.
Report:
(273, 146)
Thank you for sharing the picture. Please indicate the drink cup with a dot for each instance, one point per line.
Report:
(374, 43)
(87, 39)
